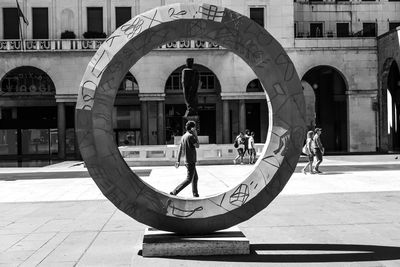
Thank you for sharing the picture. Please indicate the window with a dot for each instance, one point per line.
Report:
(315, 29)
(257, 14)
(8, 141)
(342, 29)
(129, 83)
(254, 86)
(393, 25)
(10, 23)
(122, 15)
(369, 29)
(95, 19)
(40, 23)
(208, 81)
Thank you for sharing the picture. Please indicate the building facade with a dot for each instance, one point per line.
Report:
(333, 45)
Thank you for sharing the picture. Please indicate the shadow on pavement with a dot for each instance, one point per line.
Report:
(331, 173)
(293, 253)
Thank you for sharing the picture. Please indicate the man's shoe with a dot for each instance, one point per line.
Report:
(303, 171)
(196, 195)
(318, 171)
(172, 193)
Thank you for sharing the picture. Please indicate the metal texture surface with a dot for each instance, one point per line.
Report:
(138, 37)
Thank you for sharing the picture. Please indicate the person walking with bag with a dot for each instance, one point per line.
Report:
(307, 149)
(318, 148)
(252, 149)
(239, 145)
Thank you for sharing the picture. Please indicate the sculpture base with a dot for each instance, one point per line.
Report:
(230, 241)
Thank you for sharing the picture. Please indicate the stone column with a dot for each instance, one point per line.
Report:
(264, 120)
(108, 31)
(161, 123)
(80, 19)
(218, 122)
(61, 129)
(53, 20)
(361, 122)
(242, 115)
(144, 123)
(226, 122)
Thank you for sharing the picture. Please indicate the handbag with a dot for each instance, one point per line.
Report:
(236, 144)
(305, 150)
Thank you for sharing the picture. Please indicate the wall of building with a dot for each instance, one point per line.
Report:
(354, 12)
(358, 68)
(355, 58)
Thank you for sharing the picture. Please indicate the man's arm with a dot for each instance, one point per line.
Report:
(178, 160)
(319, 144)
(195, 139)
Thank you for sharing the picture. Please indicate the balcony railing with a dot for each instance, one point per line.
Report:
(329, 34)
(50, 45)
(88, 45)
(190, 44)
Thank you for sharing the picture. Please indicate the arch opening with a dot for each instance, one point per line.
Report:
(29, 128)
(329, 106)
(27, 80)
(393, 107)
(126, 120)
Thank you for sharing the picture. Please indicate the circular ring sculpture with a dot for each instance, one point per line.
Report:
(138, 37)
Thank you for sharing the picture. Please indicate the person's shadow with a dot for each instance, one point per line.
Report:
(292, 253)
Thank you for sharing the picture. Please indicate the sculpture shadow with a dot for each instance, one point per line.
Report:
(301, 253)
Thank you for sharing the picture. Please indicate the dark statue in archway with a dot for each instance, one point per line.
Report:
(190, 84)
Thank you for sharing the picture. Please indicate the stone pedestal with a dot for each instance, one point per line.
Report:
(230, 241)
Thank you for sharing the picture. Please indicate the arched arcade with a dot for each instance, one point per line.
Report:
(325, 91)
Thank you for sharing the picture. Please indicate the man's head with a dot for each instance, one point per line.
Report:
(253, 134)
(241, 134)
(318, 130)
(190, 125)
(189, 62)
(247, 131)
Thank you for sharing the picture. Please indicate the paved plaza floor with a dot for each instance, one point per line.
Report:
(347, 216)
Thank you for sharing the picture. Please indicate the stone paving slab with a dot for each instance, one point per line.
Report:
(341, 218)
(328, 229)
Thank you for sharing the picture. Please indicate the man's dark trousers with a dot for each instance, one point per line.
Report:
(191, 178)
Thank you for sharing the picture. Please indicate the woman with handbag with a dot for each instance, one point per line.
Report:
(309, 152)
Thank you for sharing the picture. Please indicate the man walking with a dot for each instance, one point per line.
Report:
(187, 147)
(318, 148)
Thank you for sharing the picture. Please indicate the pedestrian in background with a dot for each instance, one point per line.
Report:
(307, 149)
(318, 148)
(246, 143)
(239, 144)
(252, 149)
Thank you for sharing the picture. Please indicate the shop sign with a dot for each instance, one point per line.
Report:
(27, 83)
